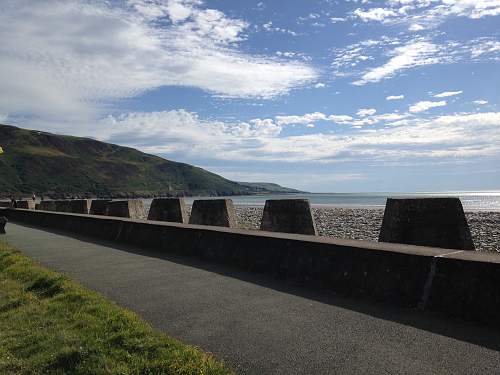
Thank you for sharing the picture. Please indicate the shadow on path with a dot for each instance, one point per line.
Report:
(484, 336)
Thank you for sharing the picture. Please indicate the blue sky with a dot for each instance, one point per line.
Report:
(325, 96)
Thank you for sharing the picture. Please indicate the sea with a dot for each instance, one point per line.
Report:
(471, 200)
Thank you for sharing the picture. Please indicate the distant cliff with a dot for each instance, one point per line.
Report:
(65, 166)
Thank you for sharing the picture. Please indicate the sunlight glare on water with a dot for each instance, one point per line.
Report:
(471, 200)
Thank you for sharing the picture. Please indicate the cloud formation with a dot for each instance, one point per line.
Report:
(404, 53)
(402, 138)
(75, 56)
(480, 102)
(405, 57)
(395, 97)
(374, 14)
(426, 105)
(447, 94)
(363, 112)
(427, 12)
(109, 51)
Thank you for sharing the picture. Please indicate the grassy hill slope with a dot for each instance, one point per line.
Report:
(56, 165)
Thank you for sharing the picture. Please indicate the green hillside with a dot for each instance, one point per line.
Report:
(64, 166)
(266, 187)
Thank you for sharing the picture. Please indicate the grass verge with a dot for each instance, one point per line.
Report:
(51, 324)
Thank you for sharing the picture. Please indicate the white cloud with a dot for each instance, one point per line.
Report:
(456, 136)
(408, 52)
(374, 14)
(180, 132)
(362, 112)
(312, 117)
(409, 56)
(420, 14)
(75, 57)
(473, 8)
(319, 85)
(480, 102)
(179, 10)
(416, 27)
(340, 119)
(304, 119)
(447, 94)
(337, 19)
(389, 117)
(395, 97)
(425, 105)
(484, 47)
(268, 26)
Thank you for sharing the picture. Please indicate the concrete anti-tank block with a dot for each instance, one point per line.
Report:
(217, 212)
(3, 221)
(27, 205)
(80, 206)
(99, 207)
(133, 209)
(288, 216)
(63, 206)
(436, 222)
(47, 206)
(168, 209)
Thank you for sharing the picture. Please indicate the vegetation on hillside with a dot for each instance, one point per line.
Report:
(52, 325)
(64, 166)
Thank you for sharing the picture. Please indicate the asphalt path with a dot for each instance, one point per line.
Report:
(259, 325)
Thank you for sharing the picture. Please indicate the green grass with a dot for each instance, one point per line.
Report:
(49, 324)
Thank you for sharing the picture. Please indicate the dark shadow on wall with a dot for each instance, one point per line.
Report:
(478, 334)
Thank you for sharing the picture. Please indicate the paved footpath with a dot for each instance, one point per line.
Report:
(262, 326)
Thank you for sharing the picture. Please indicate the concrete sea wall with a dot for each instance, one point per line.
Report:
(458, 283)
(435, 222)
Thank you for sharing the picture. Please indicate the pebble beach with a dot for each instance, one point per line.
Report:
(364, 224)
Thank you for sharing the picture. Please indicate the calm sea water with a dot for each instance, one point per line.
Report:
(471, 200)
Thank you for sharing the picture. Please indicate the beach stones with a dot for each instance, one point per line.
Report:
(217, 212)
(288, 216)
(99, 207)
(3, 221)
(437, 222)
(133, 209)
(168, 209)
